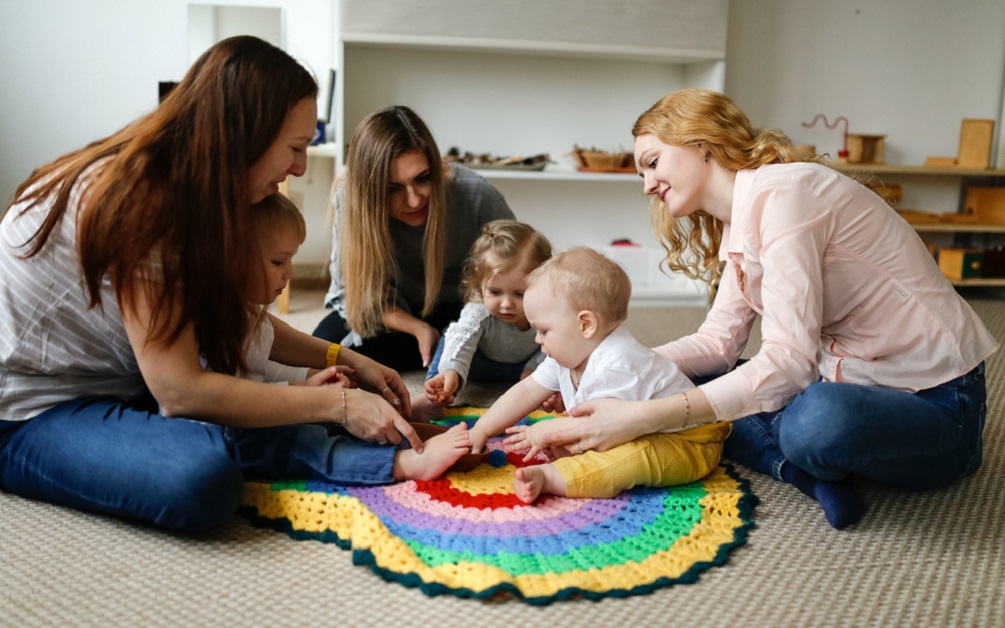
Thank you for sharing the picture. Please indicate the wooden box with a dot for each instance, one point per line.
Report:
(865, 149)
(986, 204)
(960, 263)
(975, 143)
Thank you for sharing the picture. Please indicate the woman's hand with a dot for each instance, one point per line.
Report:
(335, 375)
(371, 418)
(375, 376)
(428, 338)
(600, 424)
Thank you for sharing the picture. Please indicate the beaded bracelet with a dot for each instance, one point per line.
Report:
(345, 410)
(687, 410)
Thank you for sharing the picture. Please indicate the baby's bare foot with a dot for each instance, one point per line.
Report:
(528, 483)
(439, 453)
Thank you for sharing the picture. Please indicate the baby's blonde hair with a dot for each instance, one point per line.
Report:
(277, 211)
(502, 246)
(588, 281)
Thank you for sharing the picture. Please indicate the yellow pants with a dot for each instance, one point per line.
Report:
(653, 460)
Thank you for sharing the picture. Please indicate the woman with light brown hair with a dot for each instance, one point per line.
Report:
(127, 270)
(870, 364)
(403, 225)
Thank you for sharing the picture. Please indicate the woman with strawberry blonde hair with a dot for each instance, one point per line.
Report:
(870, 365)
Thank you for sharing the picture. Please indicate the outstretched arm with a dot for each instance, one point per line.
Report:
(183, 388)
(296, 348)
(521, 399)
(606, 423)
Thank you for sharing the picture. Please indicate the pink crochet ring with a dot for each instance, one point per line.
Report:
(467, 534)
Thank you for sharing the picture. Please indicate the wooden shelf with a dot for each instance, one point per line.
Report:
(917, 170)
(557, 175)
(980, 282)
(949, 227)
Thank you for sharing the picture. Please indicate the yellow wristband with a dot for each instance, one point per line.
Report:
(332, 356)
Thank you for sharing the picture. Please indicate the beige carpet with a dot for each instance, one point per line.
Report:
(917, 559)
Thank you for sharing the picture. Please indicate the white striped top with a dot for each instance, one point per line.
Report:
(52, 347)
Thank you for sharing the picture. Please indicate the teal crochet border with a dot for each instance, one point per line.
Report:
(747, 504)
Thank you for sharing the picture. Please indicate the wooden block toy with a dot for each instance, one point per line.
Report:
(988, 204)
(865, 149)
(960, 263)
(976, 137)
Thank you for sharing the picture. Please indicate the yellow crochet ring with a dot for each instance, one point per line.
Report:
(466, 534)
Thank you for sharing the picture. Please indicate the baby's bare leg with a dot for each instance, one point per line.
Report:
(530, 482)
(439, 453)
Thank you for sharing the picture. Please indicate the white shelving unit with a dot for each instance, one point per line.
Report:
(527, 77)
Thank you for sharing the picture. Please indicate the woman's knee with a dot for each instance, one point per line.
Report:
(814, 423)
(201, 494)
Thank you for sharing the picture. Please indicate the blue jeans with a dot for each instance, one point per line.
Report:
(123, 458)
(482, 369)
(832, 430)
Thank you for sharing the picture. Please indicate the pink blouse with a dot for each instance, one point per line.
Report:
(846, 291)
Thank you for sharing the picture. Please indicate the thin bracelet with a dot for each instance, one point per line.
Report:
(345, 410)
(687, 410)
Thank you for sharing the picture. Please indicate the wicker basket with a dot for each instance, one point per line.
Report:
(602, 160)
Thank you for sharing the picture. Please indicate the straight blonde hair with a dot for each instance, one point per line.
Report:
(367, 255)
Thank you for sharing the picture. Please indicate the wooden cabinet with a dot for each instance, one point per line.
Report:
(945, 193)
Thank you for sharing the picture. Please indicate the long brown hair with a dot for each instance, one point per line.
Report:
(170, 206)
(368, 257)
(711, 119)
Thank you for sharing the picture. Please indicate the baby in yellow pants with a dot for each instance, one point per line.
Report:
(577, 302)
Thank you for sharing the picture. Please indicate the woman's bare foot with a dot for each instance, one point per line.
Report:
(424, 410)
(530, 482)
(439, 453)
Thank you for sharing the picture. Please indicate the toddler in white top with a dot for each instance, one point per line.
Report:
(577, 303)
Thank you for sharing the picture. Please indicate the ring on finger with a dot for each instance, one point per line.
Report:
(385, 389)
(579, 446)
(382, 442)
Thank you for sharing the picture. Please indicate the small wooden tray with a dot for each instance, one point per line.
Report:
(465, 462)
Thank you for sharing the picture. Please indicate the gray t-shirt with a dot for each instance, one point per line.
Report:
(471, 202)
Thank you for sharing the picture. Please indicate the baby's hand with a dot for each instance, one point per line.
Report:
(330, 375)
(478, 438)
(441, 387)
(523, 438)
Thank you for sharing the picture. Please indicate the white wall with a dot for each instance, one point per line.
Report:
(73, 72)
(913, 69)
(910, 69)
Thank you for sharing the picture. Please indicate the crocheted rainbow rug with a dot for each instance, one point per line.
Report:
(468, 535)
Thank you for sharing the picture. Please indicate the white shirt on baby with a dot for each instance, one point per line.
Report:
(620, 367)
